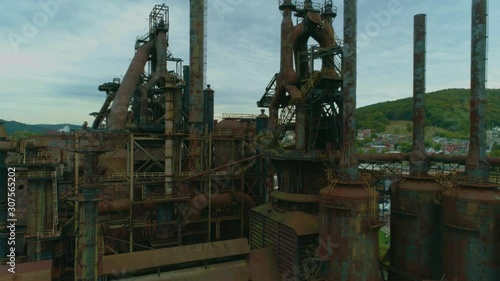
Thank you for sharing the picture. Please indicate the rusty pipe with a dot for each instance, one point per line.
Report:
(348, 163)
(418, 160)
(300, 35)
(477, 167)
(159, 74)
(196, 59)
(200, 201)
(102, 113)
(117, 118)
(113, 205)
(287, 77)
(321, 36)
(287, 71)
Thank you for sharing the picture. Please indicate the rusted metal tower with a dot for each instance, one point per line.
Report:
(416, 212)
(197, 48)
(349, 208)
(88, 252)
(471, 210)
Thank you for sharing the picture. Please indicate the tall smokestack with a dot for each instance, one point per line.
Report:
(197, 59)
(348, 158)
(197, 46)
(418, 160)
(477, 167)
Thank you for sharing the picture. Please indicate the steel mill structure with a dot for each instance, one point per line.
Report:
(157, 189)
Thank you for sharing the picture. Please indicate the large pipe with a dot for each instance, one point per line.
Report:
(208, 111)
(287, 78)
(288, 73)
(348, 159)
(418, 159)
(160, 73)
(200, 202)
(117, 118)
(102, 113)
(477, 168)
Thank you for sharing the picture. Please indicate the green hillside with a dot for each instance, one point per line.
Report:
(446, 109)
(18, 129)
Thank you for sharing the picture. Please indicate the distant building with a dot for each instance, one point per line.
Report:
(363, 134)
(492, 137)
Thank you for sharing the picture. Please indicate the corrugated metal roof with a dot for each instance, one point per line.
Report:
(174, 255)
(302, 223)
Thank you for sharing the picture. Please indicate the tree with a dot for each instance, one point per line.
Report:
(409, 127)
(405, 147)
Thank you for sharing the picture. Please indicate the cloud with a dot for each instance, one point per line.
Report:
(53, 77)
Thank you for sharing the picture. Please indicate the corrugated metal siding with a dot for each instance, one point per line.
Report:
(289, 249)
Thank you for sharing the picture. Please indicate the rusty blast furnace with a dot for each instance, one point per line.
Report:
(157, 189)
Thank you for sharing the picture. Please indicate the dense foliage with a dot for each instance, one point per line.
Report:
(447, 109)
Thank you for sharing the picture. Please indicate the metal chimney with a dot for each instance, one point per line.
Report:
(348, 157)
(418, 159)
(477, 167)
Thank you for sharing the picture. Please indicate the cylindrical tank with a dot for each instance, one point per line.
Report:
(262, 122)
(208, 108)
(471, 233)
(416, 229)
(349, 232)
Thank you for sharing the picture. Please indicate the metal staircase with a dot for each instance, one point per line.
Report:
(288, 113)
(266, 99)
(309, 85)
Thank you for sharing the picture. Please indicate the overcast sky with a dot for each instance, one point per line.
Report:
(54, 53)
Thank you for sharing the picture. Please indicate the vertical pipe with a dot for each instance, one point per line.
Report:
(36, 225)
(160, 72)
(169, 142)
(210, 189)
(77, 208)
(300, 126)
(196, 77)
(131, 190)
(87, 235)
(208, 111)
(185, 96)
(471, 211)
(196, 59)
(418, 159)
(416, 216)
(348, 158)
(477, 167)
